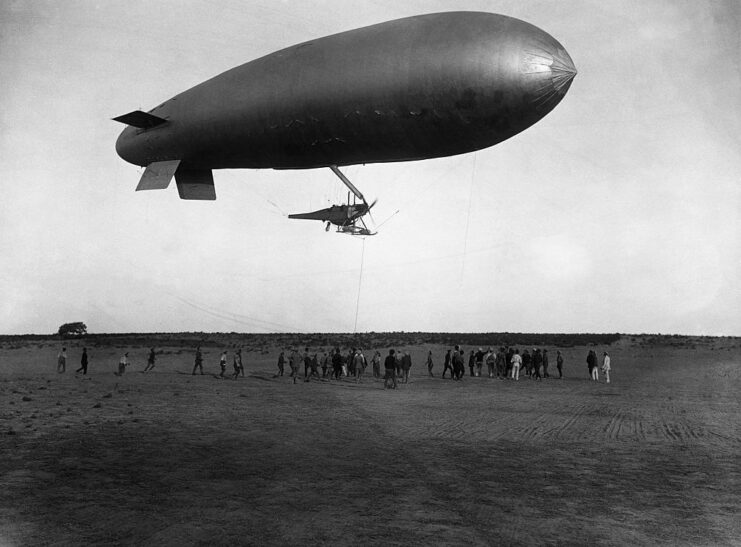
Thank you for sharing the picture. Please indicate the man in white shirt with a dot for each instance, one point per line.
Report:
(606, 367)
(516, 363)
(123, 363)
(62, 361)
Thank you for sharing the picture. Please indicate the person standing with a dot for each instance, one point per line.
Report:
(472, 363)
(537, 364)
(198, 361)
(237, 364)
(545, 364)
(479, 361)
(516, 363)
(359, 365)
(559, 364)
(430, 364)
(325, 364)
(222, 364)
(281, 363)
(307, 363)
(345, 363)
(390, 366)
(606, 367)
(62, 361)
(448, 365)
(337, 364)
(406, 365)
(592, 365)
(527, 364)
(150, 360)
(123, 363)
(491, 362)
(314, 368)
(293, 359)
(501, 364)
(376, 361)
(459, 366)
(83, 362)
(510, 352)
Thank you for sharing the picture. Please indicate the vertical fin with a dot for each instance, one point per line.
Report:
(195, 184)
(157, 175)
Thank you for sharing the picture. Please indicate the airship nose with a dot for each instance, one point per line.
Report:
(127, 146)
(562, 70)
(548, 71)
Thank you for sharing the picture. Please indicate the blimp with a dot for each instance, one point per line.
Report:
(416, 88)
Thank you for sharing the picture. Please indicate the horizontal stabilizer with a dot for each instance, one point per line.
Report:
(316, 215)
(142, 120)
(157, 175)
(195, 184)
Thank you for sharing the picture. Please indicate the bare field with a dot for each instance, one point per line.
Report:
(166, 458)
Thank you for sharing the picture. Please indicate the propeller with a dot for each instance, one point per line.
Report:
(369, 210)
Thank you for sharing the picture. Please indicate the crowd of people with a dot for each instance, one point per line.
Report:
(506, 363)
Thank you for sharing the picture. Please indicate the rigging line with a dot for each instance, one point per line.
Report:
(360, 280)
(468, 217)
(236, 317)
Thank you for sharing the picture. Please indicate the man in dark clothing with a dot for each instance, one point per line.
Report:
(337, 364)
(592, 364)
(430, 364)
(83, 362)
(199, 361)
(459, 367)
(537, 363)
(390, 365)
(150, 360)
(448, 365)
(237, 364)
(510, 353)
(527, 362)
(314, 364)
(281, 363)
(472, 363)
(559, 364)
(479, 361)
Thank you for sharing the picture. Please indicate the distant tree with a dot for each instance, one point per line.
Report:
(72, 330)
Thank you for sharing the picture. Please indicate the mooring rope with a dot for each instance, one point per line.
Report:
(360, 281)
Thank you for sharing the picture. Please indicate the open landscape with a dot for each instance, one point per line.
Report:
(167, 458)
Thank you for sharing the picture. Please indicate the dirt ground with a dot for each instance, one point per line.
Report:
(167, 458)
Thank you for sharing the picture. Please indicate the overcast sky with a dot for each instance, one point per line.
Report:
(618, 212)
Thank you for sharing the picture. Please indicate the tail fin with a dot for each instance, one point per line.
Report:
(142, 120)
(192, 183)
(157, 175)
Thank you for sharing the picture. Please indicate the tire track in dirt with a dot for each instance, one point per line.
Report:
(562, 421)
(613, 425)
(565, 431)
(534, 430)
